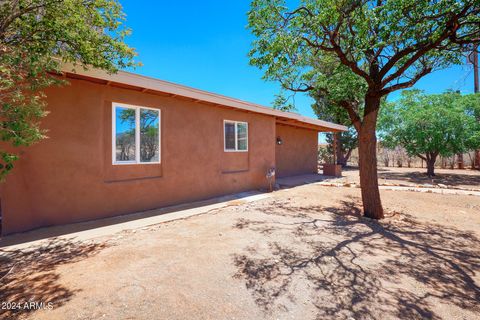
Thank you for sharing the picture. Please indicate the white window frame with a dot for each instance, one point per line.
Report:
(235, 123)
(137, 134)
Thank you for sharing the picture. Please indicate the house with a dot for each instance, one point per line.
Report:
(121, 143)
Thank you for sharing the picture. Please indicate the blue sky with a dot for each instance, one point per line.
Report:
(204, 44)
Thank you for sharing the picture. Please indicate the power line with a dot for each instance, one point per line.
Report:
(461, 82)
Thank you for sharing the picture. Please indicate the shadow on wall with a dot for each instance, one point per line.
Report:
(29, 276)
(345, 266)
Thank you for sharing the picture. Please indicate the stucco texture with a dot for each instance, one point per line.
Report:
(298, 152)
(69, 177)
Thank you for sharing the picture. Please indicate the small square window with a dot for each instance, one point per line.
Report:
(236, 135)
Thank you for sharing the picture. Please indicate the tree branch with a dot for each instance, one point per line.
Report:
(21, 12)
(422, 157)
(354, 117)
(406, 84)
(451, 28)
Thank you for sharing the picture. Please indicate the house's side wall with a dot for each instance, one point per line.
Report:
(69, 177)
(298, 152)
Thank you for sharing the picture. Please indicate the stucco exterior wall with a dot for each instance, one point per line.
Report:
(298, 152)
(69, 177)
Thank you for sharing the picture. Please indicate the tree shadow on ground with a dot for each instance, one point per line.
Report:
(30, 276)
(355, 267)
(450, 179)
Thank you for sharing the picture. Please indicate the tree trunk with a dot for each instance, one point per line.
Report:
(342, 157)
(367, 154)
(431, 168)
(431, 159)
(460, 161)
(341, 160)
(347, 156)
(339, 155)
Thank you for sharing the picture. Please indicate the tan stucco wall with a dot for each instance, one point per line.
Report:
(69, 176)
(298, 152)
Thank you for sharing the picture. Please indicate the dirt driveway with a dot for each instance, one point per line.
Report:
(302, 254)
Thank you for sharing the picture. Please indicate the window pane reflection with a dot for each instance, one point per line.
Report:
(229, 136)
(149, 135)
(124, 134)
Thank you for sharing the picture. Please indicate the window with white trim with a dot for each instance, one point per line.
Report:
(135, 134)
(235, 135)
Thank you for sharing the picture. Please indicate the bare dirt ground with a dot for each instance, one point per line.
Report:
(304, 253)
(460, 179)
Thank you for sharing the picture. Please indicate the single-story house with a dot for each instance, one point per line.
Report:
(121, 143)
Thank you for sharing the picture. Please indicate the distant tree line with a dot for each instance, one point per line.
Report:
(419, 128)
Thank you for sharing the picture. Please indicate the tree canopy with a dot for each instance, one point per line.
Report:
(376, 47)
(430, 125)
(401, 40)
(36, 37)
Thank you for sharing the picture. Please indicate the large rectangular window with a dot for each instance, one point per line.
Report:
(136, 134)
(236, 135)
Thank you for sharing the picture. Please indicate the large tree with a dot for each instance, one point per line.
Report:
(427, 126)
(36, 37)
(389, 44)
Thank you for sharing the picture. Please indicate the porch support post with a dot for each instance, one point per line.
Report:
(334, 148)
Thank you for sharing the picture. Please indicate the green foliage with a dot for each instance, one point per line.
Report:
(471, 103)
(127, 115)
(346, 50)
(36, 37)
(439, 124)
(375, 47)
(282, 103)
(325, 155)
(328, 109)
(347, 141)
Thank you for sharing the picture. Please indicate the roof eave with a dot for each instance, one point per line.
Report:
(148, 83)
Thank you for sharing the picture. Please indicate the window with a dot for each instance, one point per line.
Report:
(236, 135)
(135, 134)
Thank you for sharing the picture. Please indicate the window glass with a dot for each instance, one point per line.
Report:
(136, 136)
(236, 136)
(229, 136)
(149, 135)
(124, 134)
(242, 136)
